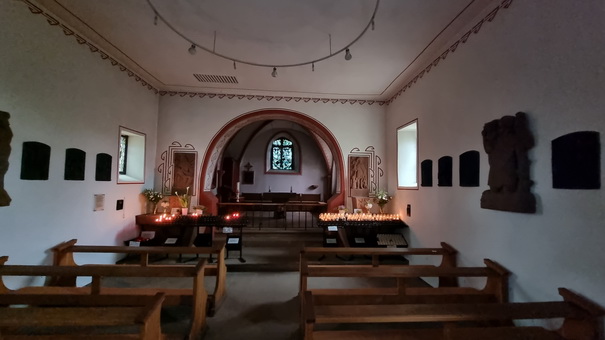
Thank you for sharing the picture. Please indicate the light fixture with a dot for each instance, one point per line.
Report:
(348, 55)
(192, 49)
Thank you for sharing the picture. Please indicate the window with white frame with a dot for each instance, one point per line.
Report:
(407, 156)
(131, 156)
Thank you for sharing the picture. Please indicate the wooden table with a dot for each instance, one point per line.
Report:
(344, 233)
(186, 230)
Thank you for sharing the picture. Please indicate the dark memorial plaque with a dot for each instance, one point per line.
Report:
(426, 173)
(576, 161)
(75, 164)
(444, 171)
(469, 169)
(35, 161)
(103, 167)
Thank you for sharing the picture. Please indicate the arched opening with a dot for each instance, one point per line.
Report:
(211, 168)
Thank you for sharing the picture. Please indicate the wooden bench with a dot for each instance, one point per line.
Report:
(63, 255)
(495, 289)
(448, 256)
(72, 316)
(580, 320)
(196, 297)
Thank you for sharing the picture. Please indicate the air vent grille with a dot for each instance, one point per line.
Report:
(210, 78)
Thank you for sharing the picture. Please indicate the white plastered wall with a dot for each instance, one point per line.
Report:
(544, 58)
(196, 120)
(60, 93)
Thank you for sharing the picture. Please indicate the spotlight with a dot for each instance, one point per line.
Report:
(274, 73)
(348, 55)
(312, 67)
(234, 66)
(192, 50)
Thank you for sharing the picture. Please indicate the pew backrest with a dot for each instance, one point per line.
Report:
(70, 313)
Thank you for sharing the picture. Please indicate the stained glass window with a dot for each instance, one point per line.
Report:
(282, 154)
(123, 152)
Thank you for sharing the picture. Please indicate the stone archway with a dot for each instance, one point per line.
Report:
(221, 139)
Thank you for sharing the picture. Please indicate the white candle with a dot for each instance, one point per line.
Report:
(237, 187)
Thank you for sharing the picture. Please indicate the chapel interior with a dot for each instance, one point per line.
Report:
(265, 142)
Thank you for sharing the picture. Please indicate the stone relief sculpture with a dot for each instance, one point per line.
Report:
(359, 173)
(506, 142)
(364, 172)
(6, 135)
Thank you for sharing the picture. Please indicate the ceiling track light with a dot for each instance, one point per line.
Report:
(348, 56)
(234, 66)
(312, 67)
(192, 50)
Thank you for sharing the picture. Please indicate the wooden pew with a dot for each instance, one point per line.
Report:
(196, 297)
(447, 252)
(580, 320)
(63, 255)
(495, 289)
(71, 316)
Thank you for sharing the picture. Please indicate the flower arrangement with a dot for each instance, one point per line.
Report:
(382, 198)
(183, 199)
(152, 196)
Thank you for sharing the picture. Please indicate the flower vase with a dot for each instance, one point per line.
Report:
(155, 208)
(151, 207)
(381, 208)
(184, 211)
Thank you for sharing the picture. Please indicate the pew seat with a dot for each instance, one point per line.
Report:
(196, 296)
(80, 317)
(476, 319)
(63, 255)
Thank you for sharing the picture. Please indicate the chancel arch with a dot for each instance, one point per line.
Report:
(223, 140)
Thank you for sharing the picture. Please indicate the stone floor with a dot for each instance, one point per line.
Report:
(261, 300)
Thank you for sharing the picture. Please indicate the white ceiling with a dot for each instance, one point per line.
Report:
(408, 35)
